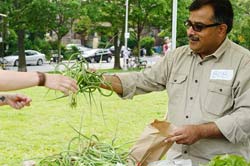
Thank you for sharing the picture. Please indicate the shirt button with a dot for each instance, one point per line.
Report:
(187, 117)
(185, 152)
(191, 98)
(221, 90)
(196, 81)
(201, 63)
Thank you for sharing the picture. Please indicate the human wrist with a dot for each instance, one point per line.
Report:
(209, 130)
(201, 131)
(41, 78)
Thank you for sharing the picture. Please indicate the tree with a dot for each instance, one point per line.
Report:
(25, 16)
(18, 21)
(142, 13)
(240, 32)
(66, 12)
(82, 27)
(113, 13)
(183, 14)
(146, 13)
(3, 29)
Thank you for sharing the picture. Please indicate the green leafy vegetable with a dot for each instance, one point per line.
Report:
(88, 151)
(87, 81)
(228, 160)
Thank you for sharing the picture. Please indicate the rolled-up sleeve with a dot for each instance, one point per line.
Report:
(236, 126)
(146, 81)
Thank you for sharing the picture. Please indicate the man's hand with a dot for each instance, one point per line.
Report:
(189, 134)
(16, 101)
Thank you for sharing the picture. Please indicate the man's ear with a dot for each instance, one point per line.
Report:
(222, 29)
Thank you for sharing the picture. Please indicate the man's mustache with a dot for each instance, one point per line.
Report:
(193, 38)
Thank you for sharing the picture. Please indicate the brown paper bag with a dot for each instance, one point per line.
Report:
(151, 146)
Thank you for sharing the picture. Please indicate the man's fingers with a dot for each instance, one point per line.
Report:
(175, 138)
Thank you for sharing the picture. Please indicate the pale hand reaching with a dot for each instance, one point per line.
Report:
(16, 101)
(62, 83)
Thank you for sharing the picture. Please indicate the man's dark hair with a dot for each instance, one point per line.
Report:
(223, 11)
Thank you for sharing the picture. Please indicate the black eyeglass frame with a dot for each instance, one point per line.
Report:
(198, 27)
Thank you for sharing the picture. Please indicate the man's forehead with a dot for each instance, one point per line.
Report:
(203, 14)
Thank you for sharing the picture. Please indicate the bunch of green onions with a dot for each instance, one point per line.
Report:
(83, 150)
(88, 81)
(92, 152)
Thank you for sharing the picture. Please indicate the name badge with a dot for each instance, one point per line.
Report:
(221, 75)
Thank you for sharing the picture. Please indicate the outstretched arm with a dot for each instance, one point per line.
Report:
(115, 83)
(12, 80)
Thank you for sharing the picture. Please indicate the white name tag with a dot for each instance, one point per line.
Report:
(221, 75)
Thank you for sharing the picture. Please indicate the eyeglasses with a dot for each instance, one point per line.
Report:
(198, 27)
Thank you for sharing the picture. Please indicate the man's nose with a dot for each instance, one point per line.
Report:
(190, 31)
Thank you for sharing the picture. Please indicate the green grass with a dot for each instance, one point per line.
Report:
(43, 129)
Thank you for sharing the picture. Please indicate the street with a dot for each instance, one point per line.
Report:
(46, 67)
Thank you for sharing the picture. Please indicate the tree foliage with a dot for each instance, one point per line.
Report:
(108, 18)
(34, 18)
(82, 27)
(240, 32)
(25, 16)
(65, 13)
(148, 13)
(15, 10)
(183, 14)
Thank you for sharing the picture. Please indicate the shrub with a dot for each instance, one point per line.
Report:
(43, 46)
(11, 41)
(148, 43)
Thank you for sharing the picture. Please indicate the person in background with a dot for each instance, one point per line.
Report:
(208, 86)
(166, 46)
(12, 80)
(126, 55)
(143, 52)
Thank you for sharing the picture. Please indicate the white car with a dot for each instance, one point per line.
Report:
(32, 58)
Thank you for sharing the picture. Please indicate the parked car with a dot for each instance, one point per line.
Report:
(32, 58)
(78, 46)
(96, 55)
(69, 46)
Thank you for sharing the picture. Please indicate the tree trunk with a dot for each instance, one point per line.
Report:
(3, 35)
(139, 30)
(82, 38)
(117, 64)
(59, 49)
(22, 60)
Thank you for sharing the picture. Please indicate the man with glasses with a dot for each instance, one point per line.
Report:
(208, 85)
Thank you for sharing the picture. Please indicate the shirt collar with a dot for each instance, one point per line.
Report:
(218, 53)
(222, 49)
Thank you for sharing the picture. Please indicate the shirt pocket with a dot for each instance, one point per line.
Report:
(176, 85)
(219, 98)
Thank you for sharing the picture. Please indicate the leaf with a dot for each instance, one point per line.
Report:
(228, 160)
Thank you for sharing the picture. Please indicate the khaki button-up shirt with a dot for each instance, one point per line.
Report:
(213, 89)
